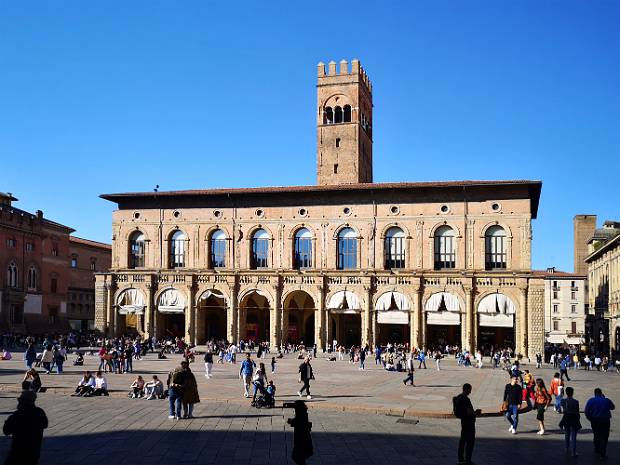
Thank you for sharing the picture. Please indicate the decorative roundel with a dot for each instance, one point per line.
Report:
(136, 215)
(346, 211)
(394, 210)
(496, 207)
(217, 213)
(302, 212)
(176, 214)
(259, 212)
(444, 209)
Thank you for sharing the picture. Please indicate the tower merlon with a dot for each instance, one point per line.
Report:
(321, 69)
(344, 67)
(332, 68)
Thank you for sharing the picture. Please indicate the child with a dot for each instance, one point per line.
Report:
(79, 360)
(273, 365)
(270, 394)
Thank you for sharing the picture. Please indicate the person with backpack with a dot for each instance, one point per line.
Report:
(542, 399)
(463, 409)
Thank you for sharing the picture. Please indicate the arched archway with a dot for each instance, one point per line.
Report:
(345, 318)
(255, 311)
(496, 325)
(170, 315)
(130, 304)
(298, 318)
(392, 314)
(443, 320)
(212, 317)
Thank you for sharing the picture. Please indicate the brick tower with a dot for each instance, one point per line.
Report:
(344, 124)
(583, 228)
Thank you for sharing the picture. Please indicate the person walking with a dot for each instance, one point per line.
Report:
(564, 368)
(273, 365)
(245, 373)
(512, 399)
(30, 356)
(538, 360)
(598, 412)
(362, 357)
(542, 399)
(305, 375)
(47, 358)
(464, 410)
(557, 389)
(176, 381)
(422, 359)
(208, 363)
(438, 358)
(410, 370)
(378, 355)
(570, 422)
(190, 393)
(25, 426)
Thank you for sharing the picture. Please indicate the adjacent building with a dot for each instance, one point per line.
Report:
(565, 309)
(47, 282)
(603, 263)
(427, 263)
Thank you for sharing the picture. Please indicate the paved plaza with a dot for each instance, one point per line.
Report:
(358, 417)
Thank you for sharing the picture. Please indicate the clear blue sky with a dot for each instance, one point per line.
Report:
(115, 96)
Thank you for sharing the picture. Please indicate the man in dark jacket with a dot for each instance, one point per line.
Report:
(26, 425)
(598, 411)
(513, 394)
(305, 375)
(464, 410)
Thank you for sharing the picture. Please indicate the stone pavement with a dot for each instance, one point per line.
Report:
(338, 385)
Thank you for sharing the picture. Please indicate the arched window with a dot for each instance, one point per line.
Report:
(328, 116)
(445, 256)
(177, 249)
(495, 248)
(11, 275)
(260, 249)
(338, 115)
(136, 250)
(32, 279)
(394, 248)
(303, 249)
(347, 249)
(347, 113)
(218, 249)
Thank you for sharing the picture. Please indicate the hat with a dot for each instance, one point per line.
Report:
(27, 397)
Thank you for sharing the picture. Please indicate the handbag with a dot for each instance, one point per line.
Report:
(504, 407)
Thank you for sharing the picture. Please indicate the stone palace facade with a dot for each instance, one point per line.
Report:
(426, 264)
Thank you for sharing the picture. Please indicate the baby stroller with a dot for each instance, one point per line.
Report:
(267, 397)
(79, 360)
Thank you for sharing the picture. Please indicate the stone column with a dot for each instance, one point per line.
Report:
(414, 318)
(108, 308)
(319, 317)
(190, 314)
(231, 317)
(274, 327)
(422, 327)
(471, 318)
(366, 336)
(465, 328)
(521, 336)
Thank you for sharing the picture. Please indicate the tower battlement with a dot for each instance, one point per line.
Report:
(344, 68)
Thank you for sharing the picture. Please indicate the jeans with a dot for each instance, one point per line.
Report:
(247, 379)
(59, 367)
(129, 365)
(558, 402)
(362, 363)
(188, 409)
(257, 387)
(466, 443)
(47, 366)
(306, 387)
(422, 362)
(409, 378)
(208, 369)
(564, 373)
(101, 364)
(600, 430)
(175, 397)
(570, 435)
(512, 415)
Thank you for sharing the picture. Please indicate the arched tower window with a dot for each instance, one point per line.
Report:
(394, 248)
(32, 279)
(495, 248)
(347, 113)
(11, 275)
(347, 249)
(260, 249)
(218, 249)
(136, 250)
(445, 256)
(178, 249)
(303, 249)
(338, 115)
(328, 116)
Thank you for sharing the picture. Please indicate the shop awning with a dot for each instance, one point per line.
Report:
(393, 317)
(574, 340)
(497, 320)
(345, 302)
(171, 301)
(394, 301)
(555, 339)
(443, 318)
(442, 301)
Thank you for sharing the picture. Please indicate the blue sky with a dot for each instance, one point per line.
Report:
(117, 96)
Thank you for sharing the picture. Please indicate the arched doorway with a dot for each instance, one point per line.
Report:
(392, 313)
(255, 312)
(344, 310)
(211, 319)
(298, 318)
(170, 316)
(131, 304)
(443, 321)
(496, 325)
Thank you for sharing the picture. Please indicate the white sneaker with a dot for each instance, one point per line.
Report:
(541, 432)
(171, 417)
(299, 393)
(510, 429)
(514, 431)
(308, 397)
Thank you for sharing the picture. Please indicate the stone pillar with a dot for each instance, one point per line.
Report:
(319, 317)
(231, 317)
(374, 328)
(422, 327)
(109, 309)
(465, 328)
(190, 314)
(471, 318)
(414, 318)
(148, 311)
(366, 337)
(274, 326)
(522, 328)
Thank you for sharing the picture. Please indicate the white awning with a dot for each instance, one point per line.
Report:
(344, 302)
(496, 303)
(435, 302)
(171, 301)
(212, 293)
(574, 340)
(498, 320)
(443, 318)
(555, 339)
(393, 317)
(131, 301)
(389, 299)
